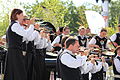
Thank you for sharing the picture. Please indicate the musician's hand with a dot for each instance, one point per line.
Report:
(103, 59)
(115, 44)
(96, 46)
(36, 26)
(91, 56)
(92, 60)
(48, 37)
(86, 52)
(57, 44)
(42, 34)
(112, 50)
(32, 21)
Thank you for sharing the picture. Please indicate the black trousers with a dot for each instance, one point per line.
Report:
(116, 78)
(39, 65)
(15, 65)
(29, 65)
(85, 76)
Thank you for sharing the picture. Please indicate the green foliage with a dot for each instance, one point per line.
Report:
(4, 24)
(6, 7)
(49, 10)
(111, 30)
(72, 16)
(114, 13)
(60, 13)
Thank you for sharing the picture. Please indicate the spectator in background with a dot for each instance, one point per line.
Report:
(57, 41)
(115, 38)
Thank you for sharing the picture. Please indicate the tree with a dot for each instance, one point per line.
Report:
(49, 10)
(4, 14)
(72, 16)
(114, 13)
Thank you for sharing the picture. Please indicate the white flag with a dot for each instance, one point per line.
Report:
(95, 21)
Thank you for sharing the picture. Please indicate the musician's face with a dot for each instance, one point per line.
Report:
(76, 47)
(26, 21)
(103, 34)
(87, 31)
(66, 32)
(82, 31)
(118, 51)
(20, 17)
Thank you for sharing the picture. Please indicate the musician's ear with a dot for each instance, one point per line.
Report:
(116, 50)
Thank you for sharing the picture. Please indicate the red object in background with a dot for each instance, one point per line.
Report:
(1, 43)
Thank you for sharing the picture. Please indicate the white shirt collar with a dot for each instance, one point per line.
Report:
(70, 52)
(17, 21)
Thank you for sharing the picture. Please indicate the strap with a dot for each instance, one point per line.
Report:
(60, 39)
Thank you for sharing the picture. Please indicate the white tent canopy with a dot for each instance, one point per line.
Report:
(95, 21)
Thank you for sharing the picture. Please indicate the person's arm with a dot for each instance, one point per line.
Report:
(56, 41)
(99, 66)
(117, 64)
(48, 45)
(113, 38)
(18, 29)
(92, 43)
(33, 36)
(105, 66)
(93, 70)
(71, 62)
(88, 67)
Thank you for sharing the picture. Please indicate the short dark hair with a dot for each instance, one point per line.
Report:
(65, 28)
(14, 13)
(70, 41)
(64, 39)
(87, 28)
(103, 30)
(61, 29)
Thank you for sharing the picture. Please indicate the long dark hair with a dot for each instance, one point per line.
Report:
(14, 12)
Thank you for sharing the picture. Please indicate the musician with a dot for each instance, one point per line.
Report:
(116, 64)
(28, 48)
(88, 31)
(15, 66)
(64, 38)
(88, 34)
(59, 30)
(60, 52)
(69, 63)
(82, 38)
(46, 47)
(100, 71)
(88, 67)
(115, 38)
(99, 41)
(57, 41)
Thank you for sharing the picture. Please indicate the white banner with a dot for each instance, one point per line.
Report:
(95, 21)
